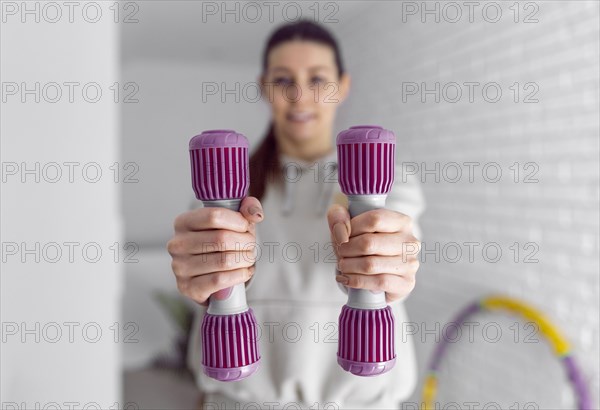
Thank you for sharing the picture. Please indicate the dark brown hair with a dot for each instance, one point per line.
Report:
(264, 162)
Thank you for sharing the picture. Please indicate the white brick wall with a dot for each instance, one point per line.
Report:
(559, 214)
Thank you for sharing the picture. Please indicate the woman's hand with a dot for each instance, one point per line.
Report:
(213, 249)
(376, 250)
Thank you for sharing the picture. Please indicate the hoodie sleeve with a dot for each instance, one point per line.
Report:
(407, 197)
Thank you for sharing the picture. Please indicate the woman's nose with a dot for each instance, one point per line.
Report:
(302, 94)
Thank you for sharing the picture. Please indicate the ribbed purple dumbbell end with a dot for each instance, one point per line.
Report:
(366, 341)
(366, 157)
(230, 346)
(219, 160)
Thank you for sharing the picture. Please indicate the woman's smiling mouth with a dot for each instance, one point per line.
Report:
(300, 117)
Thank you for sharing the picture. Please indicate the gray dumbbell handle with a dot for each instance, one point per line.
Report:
(361, 298)
(236, 301)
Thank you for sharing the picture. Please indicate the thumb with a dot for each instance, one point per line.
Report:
(339, 223)
(251, 209)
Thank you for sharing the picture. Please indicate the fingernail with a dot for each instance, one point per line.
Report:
(340, 233)
(342, 279)
(254, 210)
(223, 293)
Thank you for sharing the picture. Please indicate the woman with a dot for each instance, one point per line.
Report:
(297, 218)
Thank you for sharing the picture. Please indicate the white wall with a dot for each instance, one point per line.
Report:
(55, 294)
(157, 129)
(559, 214)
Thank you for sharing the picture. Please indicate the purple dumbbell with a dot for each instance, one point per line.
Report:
(219, 160)
(366, 158)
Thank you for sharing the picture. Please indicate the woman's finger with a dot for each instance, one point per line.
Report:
(197, 265)
(211, 218)
(251, 209)
(338, 219)
(380, 220)
(218, 240)
(374, 265)
(382, 244)
(199, 288)
(394, 286)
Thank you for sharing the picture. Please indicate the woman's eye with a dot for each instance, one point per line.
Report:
(282, 81)
(317, 80)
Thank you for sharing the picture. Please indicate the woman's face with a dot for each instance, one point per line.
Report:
(304, 90)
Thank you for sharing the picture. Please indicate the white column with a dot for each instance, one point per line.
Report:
(60, 297)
